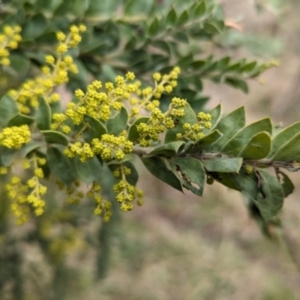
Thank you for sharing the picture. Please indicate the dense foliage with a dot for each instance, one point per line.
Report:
(87, 146)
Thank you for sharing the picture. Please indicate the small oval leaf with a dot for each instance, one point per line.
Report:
(8, 109)
(191, 171)
(157, 167)
(258, 147)
(223, 165)
(55, 137)
(235, 145)
(60, 165)
(119, 123)
(96, 129)
(43, 115)
(90, 170)
(20, 119)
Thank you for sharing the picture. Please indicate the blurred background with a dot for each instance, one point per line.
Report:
(180, 246)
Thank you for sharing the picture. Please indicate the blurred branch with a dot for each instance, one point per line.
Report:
(290, 246)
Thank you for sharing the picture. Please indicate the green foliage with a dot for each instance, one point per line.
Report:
(96, 138)
(118, 38)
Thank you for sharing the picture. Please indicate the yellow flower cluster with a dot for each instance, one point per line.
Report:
(108, 147)
(159, 122)
(100, 100)
(64, 242)
(82, 150)
(194, 132)
(126, 193)
(149, 97)
(102, 206)
(17, 193)
(30, 193)
(112, 147)
(15, 136)
(70, 41)
(8, 39)
(3, 170)
(58, 120)
(55, 72)
(74, 195)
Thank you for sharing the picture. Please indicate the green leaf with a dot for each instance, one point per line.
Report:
(182, 37)
(171, 17)
(100, 8)
(223, 165)
(258, 147)
(204, 143)
(96, 129)
(90, 170)
(225, 179)
(286, 183)
(60, 166)
(223, 63)
(168, 149)
(229, 126)
(43, 115)
(246, 183)
(270, 198)
(55, 137)
(184, 17)
(31, 146)
(136, 7)
(237, 83)
(157, 167)
(234, 67)
(191, 171)
(7, 156)
(185, 61)
(78, 7)
(289, 151)
(56, 107)
(20, 119)
(8, 109)
(214, 27)
(283, 136)
(133, 134)
(200, 9)
(189, 117)
(119, 123)
(20, 64)
(249, 67)
(162, 45)
(236, 144)
(198, 64)
(34, 27)
(72, 8)
(131, 43)
(47, 6)
(154, 27)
